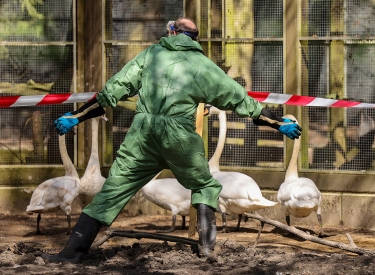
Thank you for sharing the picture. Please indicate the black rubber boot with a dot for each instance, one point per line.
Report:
(80, 240)
(206, 223)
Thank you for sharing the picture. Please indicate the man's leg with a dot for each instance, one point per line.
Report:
(206, 223)
(104, 209)
(187, 161)
(80, 240)
(134, 167)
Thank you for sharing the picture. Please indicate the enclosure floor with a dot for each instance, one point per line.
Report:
(20, 250)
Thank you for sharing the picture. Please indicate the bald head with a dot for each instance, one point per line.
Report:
(187, 27)
(187, 23)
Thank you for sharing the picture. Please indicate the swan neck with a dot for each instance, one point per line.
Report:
(70, 170)
(292, 171)
(214, 161)
(93, 163)
(94, 136)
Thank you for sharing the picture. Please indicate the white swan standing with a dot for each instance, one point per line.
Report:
(299, 196)
(169, 194)
(92, 181)
(57, 192)
(240, 192)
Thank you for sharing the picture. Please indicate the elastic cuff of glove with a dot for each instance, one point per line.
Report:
(267, 118)
(89, 110)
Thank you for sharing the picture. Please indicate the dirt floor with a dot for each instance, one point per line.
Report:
(276, 253)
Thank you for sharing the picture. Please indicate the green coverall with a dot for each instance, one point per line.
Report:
(171, 78)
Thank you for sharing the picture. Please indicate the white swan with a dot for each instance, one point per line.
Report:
(299, 196)
(240, 192)
(92, 181)
(57, 192)
(169, 194)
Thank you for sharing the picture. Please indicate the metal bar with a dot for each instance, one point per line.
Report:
(75, 160)
(129, 43)
(333, 38)
(44, 43)
(240, 39)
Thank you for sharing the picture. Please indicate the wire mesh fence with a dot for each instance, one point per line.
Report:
(36, 54)
(245, 38)
(337, 53)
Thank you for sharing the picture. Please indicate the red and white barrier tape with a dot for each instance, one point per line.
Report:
(264, 97)
(299, 100)
(39, 100)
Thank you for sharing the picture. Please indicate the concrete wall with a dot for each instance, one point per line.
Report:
(347, 199)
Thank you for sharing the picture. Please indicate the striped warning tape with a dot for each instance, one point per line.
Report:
(299, 100)
(39, 100)
(264, 97)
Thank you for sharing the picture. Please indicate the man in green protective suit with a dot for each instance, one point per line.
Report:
(170, 78)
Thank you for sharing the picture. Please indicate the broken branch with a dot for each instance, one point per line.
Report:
(139, 235)
(348, 247)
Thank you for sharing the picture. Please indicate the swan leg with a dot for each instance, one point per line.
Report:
(287, 217)
(172, 227)
(321, 233)
(183, 224)
(260, 231)
(239, 222)
(37, 224)
(69, 225)
(224, 219)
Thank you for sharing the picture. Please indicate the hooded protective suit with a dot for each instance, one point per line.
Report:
(171, 78)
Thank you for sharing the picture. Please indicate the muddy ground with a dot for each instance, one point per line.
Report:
(276, 253)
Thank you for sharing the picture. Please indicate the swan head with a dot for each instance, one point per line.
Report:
(291, 117)
(211, 110)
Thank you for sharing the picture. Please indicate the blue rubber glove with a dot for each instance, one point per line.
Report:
(291, 129)
(65, 123)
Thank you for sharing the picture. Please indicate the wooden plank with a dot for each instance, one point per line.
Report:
(93, 37)
(38, 154)
(107, 141)
(291, 61)
(336, 78)
(190, 10)
(239, 22)
(80, 78)
(193, 211)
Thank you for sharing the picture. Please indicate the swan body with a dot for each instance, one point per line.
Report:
(245, 196)
(169, 194)
(299, 196)
(58, 192)
(92, 181)
(240, 192)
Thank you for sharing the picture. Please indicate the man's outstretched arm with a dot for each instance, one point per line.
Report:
(66, 122)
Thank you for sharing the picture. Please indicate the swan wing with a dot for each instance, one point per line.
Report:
(38, 196)
(52, 193)
(237, 186)
(169, 194)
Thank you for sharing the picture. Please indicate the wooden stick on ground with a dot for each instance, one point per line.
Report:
(348, 247)
(139, 235)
